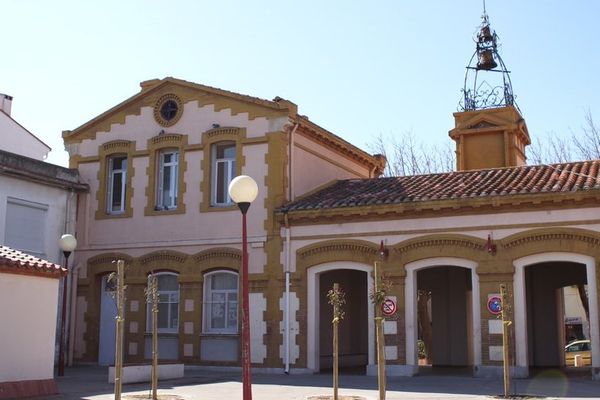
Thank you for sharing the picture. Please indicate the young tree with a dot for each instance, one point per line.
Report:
(337, 299)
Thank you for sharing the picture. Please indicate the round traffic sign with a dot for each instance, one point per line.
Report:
(388, 307)
(494, 305)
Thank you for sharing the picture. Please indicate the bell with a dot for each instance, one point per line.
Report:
(486, 60)
(485, 34)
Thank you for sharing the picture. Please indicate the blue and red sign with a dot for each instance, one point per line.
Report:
(494, 305)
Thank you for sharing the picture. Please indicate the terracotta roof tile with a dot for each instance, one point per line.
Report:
(483, 183)
(15, 261)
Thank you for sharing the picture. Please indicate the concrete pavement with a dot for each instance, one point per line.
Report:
(90, 383)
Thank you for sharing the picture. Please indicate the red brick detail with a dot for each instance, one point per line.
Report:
(38, 387)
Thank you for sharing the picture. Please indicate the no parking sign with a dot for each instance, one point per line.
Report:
(388, 307)
(494, 305)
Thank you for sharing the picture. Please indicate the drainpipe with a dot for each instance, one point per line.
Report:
(286, 300)
(286, 308)
(69, 278)
(74, 273)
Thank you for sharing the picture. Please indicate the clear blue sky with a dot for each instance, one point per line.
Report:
(359, 69)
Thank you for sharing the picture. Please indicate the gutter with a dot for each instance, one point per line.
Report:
(286, 307)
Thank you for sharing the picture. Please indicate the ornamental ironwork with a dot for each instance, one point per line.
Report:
(487, 81)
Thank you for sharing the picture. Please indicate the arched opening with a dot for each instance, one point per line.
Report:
(353, 329)
(443, 315)
(357, 287)
(549, 330)
(449, 289)
(569, 268)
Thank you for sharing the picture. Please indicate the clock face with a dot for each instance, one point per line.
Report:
(168, 110)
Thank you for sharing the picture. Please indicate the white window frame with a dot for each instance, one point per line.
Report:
(173, 171)
(173, 298)
(230, 173)
(111, 182)
(207, 310)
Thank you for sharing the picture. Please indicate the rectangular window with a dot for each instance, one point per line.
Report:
(221, 303)
(25, 227)
(223, 167)
(117, 179)
(168, 170)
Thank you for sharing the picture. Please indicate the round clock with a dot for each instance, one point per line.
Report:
(168, 110)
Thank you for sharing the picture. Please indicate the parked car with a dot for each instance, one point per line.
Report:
(576, 348)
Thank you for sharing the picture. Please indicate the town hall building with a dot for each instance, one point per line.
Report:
(158, 166)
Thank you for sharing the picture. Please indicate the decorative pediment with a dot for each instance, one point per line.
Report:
(109, 259)
(482, 121)
(440, 241)
(221, 252)
(482, 124)
(163, 257)
(157, 95)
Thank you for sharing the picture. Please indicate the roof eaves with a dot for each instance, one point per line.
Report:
(337, 141)
(317, 213)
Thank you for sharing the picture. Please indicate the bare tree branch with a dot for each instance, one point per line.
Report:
(407, 156)
(588, 144)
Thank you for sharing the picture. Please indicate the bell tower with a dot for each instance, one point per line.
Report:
(489, 130)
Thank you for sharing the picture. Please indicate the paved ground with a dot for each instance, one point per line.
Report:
(88, 382)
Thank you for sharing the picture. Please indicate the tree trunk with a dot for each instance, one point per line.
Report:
(424, 323)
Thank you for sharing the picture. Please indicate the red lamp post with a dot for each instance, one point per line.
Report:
(243, 190)
(67, 244)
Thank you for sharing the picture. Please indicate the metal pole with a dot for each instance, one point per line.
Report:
(154, 289)
(505, 344)
(380, 339)
(120, 321)
(336, 321)
(63, 320)
(246, 377)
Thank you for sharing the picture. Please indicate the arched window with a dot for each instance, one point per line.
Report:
(168, 304)
(221, 302)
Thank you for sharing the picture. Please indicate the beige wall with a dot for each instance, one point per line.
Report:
(315, 165)
(28, 315)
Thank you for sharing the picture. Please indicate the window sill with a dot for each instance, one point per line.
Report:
(217, 208)
(152, 211)
(215, 334)
(163, 334)
(104, 215)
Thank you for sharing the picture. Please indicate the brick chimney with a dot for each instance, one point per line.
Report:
(5, 103)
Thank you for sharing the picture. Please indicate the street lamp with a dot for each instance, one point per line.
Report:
(67, 244)
(243, 190)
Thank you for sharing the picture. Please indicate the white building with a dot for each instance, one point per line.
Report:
(37, 206)
(17, 139)
(30, 286)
